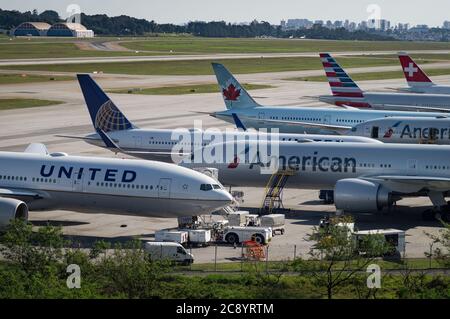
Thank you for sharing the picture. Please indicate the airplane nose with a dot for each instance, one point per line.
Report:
(225, 196)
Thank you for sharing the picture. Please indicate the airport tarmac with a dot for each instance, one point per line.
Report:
(20, 127)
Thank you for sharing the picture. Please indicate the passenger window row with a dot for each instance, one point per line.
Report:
(13, 178)
(132, 186)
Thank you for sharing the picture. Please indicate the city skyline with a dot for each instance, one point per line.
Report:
(413, 12)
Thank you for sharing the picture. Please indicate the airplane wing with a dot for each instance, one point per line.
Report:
(79, 137)
(17, 192)
(337, 128)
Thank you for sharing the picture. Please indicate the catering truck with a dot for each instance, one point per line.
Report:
(170, 251)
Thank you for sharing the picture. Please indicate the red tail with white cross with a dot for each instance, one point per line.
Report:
(413, 73)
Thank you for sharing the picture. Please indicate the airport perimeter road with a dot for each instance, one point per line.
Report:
(20, 127)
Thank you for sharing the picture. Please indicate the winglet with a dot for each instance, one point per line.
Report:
(238, 122)
(37, 148)
(413, 73)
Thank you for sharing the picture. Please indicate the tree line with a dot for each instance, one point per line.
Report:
(124, 25)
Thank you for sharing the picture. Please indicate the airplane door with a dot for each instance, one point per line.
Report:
(137, 141)
(164, 187)
(327, 119)
(412, 167)
(375, 132)
(77, 184)
(261, 115)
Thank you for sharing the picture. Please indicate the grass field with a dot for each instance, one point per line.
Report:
(203, 67)
(9, 104)
(29, 78)
(372, 76)
(229, 45)
(416, 263)
(183, 89)
(23, 47)
(31, 50)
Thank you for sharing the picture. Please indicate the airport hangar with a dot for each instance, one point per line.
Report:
(62, 29)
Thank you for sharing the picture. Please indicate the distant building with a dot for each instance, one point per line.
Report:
(57, 30)
(35, 29)
(446, 25)
(66, 29)
(403, 26)
(295, 24)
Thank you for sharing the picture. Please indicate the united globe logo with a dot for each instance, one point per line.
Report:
(109, 118)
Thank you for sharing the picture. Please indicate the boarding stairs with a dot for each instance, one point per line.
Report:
(274, 192)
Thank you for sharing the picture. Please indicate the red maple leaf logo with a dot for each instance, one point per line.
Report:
(230, 93)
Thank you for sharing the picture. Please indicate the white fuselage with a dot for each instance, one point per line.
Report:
(427, 89)
(321, 165)
(166, 140)
(413, 130)
(108, 185)
(391, 101)
(254, 117)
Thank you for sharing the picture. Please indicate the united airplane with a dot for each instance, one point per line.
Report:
(312, 120)
(160, 144)
(418, 81)
(364, 177)
(347, 93)
(38, 180)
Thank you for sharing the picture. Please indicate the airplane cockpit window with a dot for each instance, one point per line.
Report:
(206, 187)
(216, 186)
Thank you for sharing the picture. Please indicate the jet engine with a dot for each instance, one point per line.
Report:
(12, 209)
(358, 195)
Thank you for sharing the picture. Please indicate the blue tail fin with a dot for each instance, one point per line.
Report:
(104, 114)
(234, 95)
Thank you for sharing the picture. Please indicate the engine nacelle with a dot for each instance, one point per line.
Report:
(12, 209)
(357, 195)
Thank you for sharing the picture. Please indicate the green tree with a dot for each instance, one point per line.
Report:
(337, 257)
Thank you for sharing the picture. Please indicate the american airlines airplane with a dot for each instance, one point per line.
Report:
(38, 180)
(159, 144)
(416, 130)
(312, 120)
(365, 177)
(347, 93)
(418, 81)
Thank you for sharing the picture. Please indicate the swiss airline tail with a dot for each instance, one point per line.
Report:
(341, 84)
(413, 73)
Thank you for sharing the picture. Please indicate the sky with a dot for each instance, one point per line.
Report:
(432, 12)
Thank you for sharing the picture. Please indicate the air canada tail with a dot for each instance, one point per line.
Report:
(413, 73)
(234, 95)
(340, 82)
(105, 115)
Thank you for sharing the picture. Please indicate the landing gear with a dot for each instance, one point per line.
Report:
(327, 196)
(441, 210)
(442, 213)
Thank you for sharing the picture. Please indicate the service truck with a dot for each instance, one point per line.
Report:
(274, 221)
(238, 234)
(175, 236)
(170, 251)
